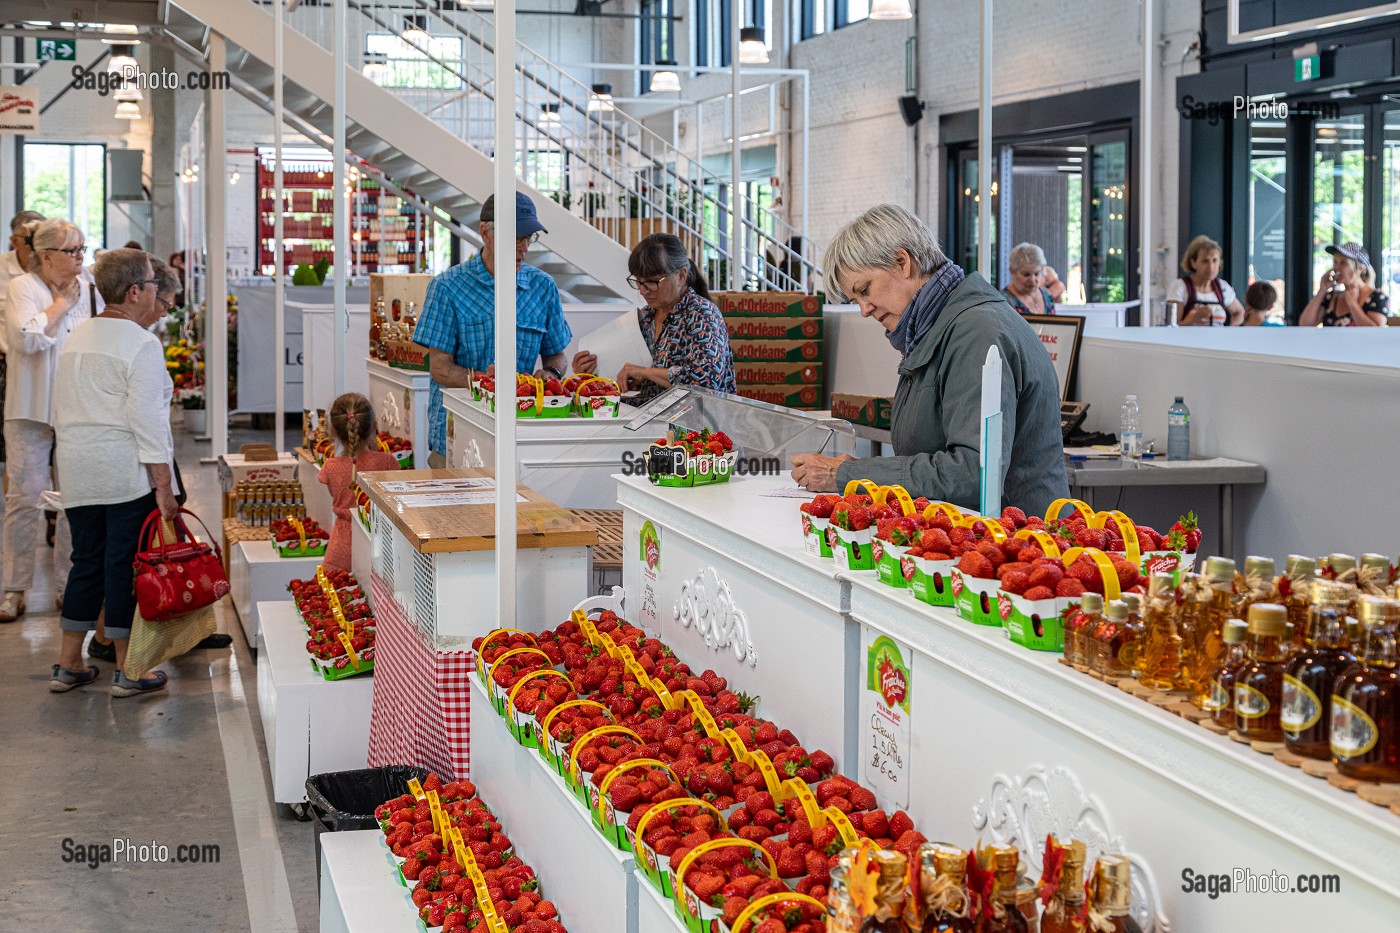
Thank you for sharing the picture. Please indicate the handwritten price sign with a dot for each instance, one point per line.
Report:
(885, 721)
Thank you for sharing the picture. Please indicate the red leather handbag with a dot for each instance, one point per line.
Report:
(177, 576)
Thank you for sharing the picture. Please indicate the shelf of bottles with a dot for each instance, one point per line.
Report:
(387, 234)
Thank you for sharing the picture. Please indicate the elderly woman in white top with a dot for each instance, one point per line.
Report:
(44, 307)
(114, 456)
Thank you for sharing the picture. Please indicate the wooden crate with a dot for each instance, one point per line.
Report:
(607, 553)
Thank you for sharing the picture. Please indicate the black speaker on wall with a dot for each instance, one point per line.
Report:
(911, 109)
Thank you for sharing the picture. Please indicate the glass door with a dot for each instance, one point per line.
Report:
(1388, 262)
(69, 180)
(969, 202)
(1339, 186)
(1268, 192)
(1107, 219)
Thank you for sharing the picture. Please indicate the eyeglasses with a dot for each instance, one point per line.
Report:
(75, 251)
(530, 240)
(146, 282)
(165, 306)
(651, 284)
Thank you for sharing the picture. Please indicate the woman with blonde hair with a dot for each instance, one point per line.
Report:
(1201, 297)
(1347, 295)
(44, 307)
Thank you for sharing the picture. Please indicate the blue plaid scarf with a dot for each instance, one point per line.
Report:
(923, 311)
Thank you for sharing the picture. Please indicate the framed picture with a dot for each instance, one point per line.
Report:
(1060, 333)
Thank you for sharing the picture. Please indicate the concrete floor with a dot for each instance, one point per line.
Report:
(184, 766)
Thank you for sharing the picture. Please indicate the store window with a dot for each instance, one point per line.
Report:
(656, 35)
(815, 19)
(1389, 259)
(1339, 183)
(1108, 226)
(714, 28)
(69, 180)
(851, 11)
(1268, 193)
(437, 64)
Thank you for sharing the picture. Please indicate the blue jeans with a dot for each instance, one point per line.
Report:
(105, 541)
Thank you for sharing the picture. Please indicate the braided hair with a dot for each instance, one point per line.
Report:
(352, 422)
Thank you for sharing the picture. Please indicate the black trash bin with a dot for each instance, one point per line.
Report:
(339, 801)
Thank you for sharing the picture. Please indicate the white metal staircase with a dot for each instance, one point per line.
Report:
(600, 179)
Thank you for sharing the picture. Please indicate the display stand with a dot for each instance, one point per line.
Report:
(400, 401)
(311, 725)
(358, 890)
(257, 575)
(433, 566)
(569, 460)
(314, 493)
(594, 885)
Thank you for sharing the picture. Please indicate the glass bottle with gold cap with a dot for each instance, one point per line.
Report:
(1085, 620)
(1066, 910)
(1338, 568)
(1372, 577)
(1160, 656)
(883, 911)
(1259, 685)
(1260, 585)
(1312, 672)
(1113, 894)
(1108, 639)
(1222, 681)
(943, 902)
(1004, 915)
(1295, 586)
(1201, 639)
(1131, 648)
(844, 916)
(1365, 722)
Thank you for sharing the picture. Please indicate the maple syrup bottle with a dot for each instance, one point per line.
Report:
(1161, 643)
(1082, 622)
(1373, 576)
(1108, 639)
(1113, 893)
(1312, 672)
(1295, 586)
(1208, 624)
(1365, 721)
(944, 894)
(1260, 585)
(1131, 647)
(1222, 681)
(410, 320)
(1005, 915)
(1065, 912)
(889, 900)
(1259, 685)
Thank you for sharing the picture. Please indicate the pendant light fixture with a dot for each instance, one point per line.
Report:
(752, 49)
(665, 81)
(123, 59)
(127, 110)
(415, 30)
(128, 93)
(601, 100)
(890, 9)
(549, 116)
(376, 67)
(116, 33)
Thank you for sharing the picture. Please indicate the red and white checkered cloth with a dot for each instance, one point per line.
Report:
(422, 697)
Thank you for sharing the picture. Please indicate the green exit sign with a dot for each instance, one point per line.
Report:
(1307, 68)
(55, 50)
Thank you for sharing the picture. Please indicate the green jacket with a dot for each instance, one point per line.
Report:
(936, 417)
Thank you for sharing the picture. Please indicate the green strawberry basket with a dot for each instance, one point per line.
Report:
(655, 867)
(1037, 624)
(976, 598)
(697, 915)
(814, 535)
(889, 558)
(931, 581)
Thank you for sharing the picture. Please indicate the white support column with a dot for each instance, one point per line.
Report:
(341, 259)
(984, 149)
(807, 250)
(278, 296)
(216, 295)
(504, 230)
(736, 197)
(1146, 161)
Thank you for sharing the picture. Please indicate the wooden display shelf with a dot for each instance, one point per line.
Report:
(607, 553)
(456, 528)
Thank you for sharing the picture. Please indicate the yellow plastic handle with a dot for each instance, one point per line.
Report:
(675, 803)
(794, 788)
(1080, 506)
(571, 704)
(789, 897)
(490, 668)
(906, 504)
(1131, 547)
(350, 651)
(612, 382)
(995, 530)
(736, 745)
(725, 843)
(1045, 540)
(947, 508)
(502, 631)
(590, 736)
(865, 484)
(628, 766)
(764, 764)
(1110, 576)
(844, 829)
(546, 672)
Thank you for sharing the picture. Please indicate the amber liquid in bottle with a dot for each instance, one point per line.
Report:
(1365, 716)
(1210, 617)
(947, 882)
(1312, 673)
(1082, 623)
(1222, 692)
(1108, 640)
(1161, 643)
(1298, 577)
(1004, 896)
(1259, 686)
(1063, 913)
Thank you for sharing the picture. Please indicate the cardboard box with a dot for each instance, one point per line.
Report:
(754, 328)
(405, 286)
(805, 397)
(870, 410)
(777, 351)
(768, 374)
(768, 304)
(405, 354)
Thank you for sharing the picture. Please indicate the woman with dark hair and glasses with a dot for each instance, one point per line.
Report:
(45, 305)
(682, 327)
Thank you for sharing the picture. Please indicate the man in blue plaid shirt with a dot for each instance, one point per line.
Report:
(458, 323)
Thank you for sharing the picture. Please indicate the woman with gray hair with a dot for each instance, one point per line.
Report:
(44, 307)
(942, 321)
(1026, 292)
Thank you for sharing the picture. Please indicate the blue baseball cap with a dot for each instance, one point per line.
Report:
(526, 220)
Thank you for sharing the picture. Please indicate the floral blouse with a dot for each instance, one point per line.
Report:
(693, 346)
(1020, 306)
(1378, 303)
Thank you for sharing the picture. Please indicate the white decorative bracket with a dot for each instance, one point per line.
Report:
(1023, 811)
(471, 455)
(707, 604)
(390, 415)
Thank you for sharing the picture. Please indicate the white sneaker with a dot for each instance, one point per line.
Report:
(12, 607)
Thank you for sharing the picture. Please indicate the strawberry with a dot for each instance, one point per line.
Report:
(1148, 539)
(900, 823)
(975, 564)
(935, 539)
(1039, 592)
(1091, 537)
(1013, 517)
(860, 518)
(876, 824)
(1069, 588)
(862, 798)
(1088, 574)
(992, 552)
(1030, 554)
(1128, 574)
(1190, 530)
(1017, 582)
(1045, 575)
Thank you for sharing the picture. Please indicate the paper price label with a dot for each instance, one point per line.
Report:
(415, 788)
(350, 651)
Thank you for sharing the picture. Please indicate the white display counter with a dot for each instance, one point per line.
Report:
(256, 575)
(311, 725)
(358, 890)
(400, 401)
(568, 460)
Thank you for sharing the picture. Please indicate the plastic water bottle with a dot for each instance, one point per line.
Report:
(1130, 437)
(1178, 431)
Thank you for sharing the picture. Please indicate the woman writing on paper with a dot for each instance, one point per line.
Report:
(682, 328)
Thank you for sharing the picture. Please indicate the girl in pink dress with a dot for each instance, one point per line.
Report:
(352, 424)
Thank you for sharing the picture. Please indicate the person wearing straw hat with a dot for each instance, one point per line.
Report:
(1346, 294)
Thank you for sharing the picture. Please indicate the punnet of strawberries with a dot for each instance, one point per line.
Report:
(700, 443)
(285, 532)
(394, 443)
